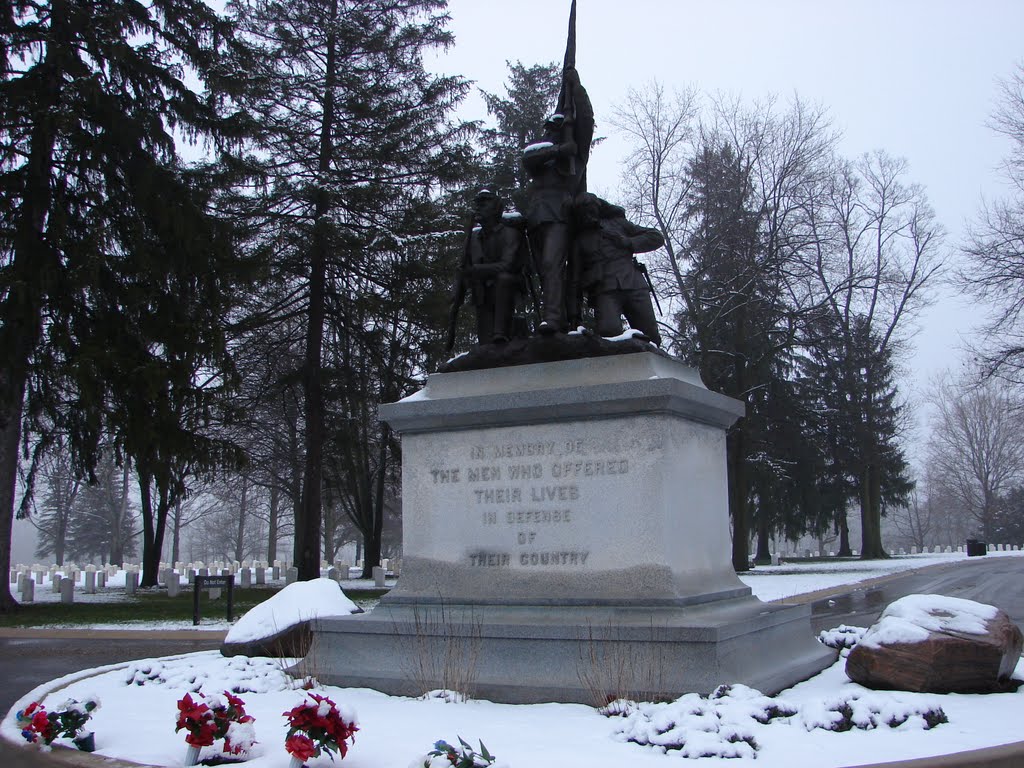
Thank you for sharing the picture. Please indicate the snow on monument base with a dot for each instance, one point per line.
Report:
(566, 539)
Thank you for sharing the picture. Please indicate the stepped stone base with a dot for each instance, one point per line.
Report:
(565, 537)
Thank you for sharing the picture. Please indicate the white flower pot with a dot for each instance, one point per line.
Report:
(192, 755)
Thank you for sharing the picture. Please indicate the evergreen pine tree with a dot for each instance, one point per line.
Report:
(735, 324)
(355, 133)
(849, 379)
(99, 220)
(530, 95)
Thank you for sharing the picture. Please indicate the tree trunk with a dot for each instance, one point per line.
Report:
(272, 524)
(10, 437)
(117, 541)
(373, 550)
(176, 532)
(242, 512)
(307, 535)
(330, 526)
(844, 534)
(764, 547)
(738, 497)
(871, 514)
(154, 522)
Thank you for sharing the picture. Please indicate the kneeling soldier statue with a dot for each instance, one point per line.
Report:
(492, 270)
(615, 283)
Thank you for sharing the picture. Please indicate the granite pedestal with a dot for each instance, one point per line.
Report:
(565, 538)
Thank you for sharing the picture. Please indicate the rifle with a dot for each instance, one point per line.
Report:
(647, 278)
(459, 294)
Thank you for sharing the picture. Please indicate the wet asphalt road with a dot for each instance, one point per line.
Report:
(997, 581)
(26, 663)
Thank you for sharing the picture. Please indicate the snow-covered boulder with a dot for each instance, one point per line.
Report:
(280, 625)
(936, 644)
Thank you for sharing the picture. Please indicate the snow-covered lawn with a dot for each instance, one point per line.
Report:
(793, 730)
(138, 710)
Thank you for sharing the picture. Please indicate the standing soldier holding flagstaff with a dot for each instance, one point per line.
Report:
(557, 167)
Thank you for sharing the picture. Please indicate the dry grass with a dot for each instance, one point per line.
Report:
(442, 651)
(614, 671)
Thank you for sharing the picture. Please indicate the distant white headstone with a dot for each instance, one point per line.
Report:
(291, 575)
(378, 576)
(90, 582)
(28, 590)
(67, 591)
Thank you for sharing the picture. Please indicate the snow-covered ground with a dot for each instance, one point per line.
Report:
(138, 711)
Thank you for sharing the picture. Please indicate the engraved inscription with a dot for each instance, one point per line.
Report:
(490, 559)
(533, 495)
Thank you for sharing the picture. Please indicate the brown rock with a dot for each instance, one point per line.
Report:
(945, 659)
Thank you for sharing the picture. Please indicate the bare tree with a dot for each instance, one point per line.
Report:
(975, 447)
(52, 513)
(917, 522)
(737, 273)
(995, 245)
(878, 252)
(662, 129)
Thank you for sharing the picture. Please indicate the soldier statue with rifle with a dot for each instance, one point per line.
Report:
(492, 271)
(615, 283)
(557, 167)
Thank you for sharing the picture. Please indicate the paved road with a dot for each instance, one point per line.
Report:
(998, 581)
(28, 662)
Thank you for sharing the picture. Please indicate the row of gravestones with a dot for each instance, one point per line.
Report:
(64, 580)
(902, 551)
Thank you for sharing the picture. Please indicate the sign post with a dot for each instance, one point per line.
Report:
(212, 582)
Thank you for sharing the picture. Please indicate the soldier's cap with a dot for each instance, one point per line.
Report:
(556, 119)
(484, 194)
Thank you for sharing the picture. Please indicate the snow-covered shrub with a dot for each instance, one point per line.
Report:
(866, 712)
(841, 637)
(721, 725)
(239, 674)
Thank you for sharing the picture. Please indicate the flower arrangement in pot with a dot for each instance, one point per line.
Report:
(317, 726)
(68, 721)
(210, 717)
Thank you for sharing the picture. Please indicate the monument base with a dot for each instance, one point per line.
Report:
(565, 530)
(589, 655)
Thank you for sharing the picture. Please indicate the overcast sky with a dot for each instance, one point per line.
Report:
(916, 78)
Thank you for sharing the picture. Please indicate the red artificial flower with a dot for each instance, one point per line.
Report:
(300, 746)
(326, 730)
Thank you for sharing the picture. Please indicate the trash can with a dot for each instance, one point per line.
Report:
(976, 548)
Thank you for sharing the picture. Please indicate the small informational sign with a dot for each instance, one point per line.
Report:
(212, 582)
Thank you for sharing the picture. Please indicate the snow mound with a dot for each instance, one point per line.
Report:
(296, 603)
(912, 618)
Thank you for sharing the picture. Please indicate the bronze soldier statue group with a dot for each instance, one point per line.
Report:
(576, 243)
